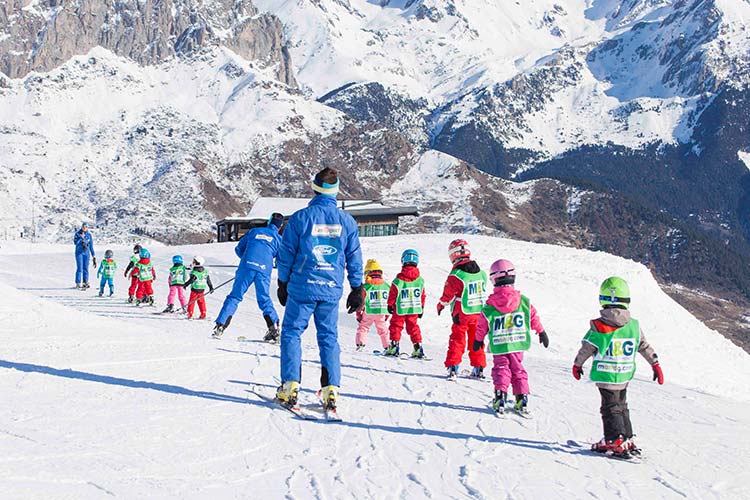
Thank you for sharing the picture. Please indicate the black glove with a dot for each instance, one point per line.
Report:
(94, 260)
(544, 339)
(354, 300)
(477, 345)
(282, 293)
(184, 286)
(391, 310)
(420, 315)
(210, 290)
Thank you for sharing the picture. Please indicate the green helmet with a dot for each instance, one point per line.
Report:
(614, 292)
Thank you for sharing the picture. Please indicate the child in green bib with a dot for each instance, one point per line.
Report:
(374, 310)
(613, 340)
(106, 271)
(406, 305)
(198, 282)
(507, 321)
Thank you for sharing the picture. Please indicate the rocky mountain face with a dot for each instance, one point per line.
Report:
(40, 35)
(611, 125)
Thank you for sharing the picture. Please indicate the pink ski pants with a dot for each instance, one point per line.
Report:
(508, 369)
(381, 325)
(179, 292)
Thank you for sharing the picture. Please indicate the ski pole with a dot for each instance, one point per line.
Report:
(184, 308)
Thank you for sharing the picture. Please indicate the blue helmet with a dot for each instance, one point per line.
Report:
(177, 260)
(410, 256)
(144, 254)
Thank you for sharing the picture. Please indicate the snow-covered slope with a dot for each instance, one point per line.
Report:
(101, 398)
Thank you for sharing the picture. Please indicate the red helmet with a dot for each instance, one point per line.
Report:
(458, 250)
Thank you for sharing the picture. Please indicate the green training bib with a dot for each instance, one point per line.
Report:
(509, 332)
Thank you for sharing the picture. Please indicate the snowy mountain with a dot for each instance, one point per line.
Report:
(154, 119)
(104, 399)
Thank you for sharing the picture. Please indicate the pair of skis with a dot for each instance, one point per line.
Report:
(328, 414)
(402, 355)
(585, 449)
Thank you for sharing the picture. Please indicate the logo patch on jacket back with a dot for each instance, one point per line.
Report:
(327, 230)
(326, 241)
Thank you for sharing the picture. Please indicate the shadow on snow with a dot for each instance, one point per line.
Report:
(176, 389)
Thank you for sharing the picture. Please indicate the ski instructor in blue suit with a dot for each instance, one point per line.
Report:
(84, 248)
(319, 242)
(256, 251)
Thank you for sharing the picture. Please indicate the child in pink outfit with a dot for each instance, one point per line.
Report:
(374, 310)
(178, 274)
(508, 318)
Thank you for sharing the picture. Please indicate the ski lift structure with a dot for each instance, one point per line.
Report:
(373, 217)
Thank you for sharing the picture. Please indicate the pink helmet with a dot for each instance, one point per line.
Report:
(458, 250)
(503, 272)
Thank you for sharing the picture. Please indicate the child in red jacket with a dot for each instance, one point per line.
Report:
(146, 276)
(406, 305)
(465, 288)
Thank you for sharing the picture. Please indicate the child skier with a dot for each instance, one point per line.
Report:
(106, 271)
(146, 276)
(132, 272)
(508, 318)
(613, 340)
(406, 305)
(198, 282)
(466, 288)
(375, 307)
(177, 277)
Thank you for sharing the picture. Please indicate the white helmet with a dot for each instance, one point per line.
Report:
(199, 260)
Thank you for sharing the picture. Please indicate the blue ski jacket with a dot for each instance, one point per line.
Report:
(258, 248)
(84, 243)
(318, 243)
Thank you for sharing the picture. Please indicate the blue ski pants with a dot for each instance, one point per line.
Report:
(296, 319)
(107, 281)
(82, 267)
(243, 278)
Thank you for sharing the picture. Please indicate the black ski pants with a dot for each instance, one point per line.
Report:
(615, 414)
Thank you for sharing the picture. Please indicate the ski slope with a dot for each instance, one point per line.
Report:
(102, 399)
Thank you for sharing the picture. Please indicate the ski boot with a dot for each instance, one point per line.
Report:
(272, 335)
(477, 372)
(393, 349)
(522, 400)
(169, 308)
(138, 302)
(78, 286)
(453, 372)
(218, 331)
(287, 393)
(130, 299)
(111, 293)
(360, 347)
(632, 448)
(328, 396)
(150, 300)
(498, 404)
(85, 285)
(101, 294)
(418, 352)
(616, 446)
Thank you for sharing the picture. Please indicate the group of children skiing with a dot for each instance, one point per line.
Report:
(506, 318)
(142, 274)
(503, 316)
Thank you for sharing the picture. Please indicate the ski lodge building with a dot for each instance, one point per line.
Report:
(373, 218)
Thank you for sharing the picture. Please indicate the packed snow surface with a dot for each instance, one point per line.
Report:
(101, 398)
